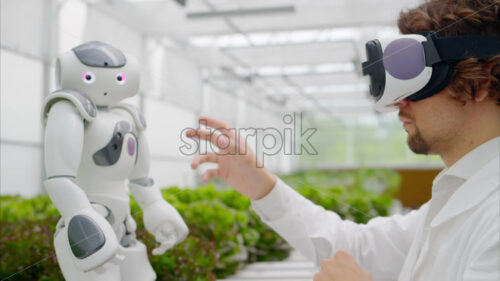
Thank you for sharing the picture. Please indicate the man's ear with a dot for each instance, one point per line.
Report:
(481, 95)
(482, 92)
(483, 88)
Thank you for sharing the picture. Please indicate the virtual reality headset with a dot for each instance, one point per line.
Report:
(417, 66)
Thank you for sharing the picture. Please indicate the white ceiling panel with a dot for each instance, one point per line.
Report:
(296, 55)
(166, 17)
(303, 54)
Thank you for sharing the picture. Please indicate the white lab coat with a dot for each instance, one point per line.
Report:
(455, 236)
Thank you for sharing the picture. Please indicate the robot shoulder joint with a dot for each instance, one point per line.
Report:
(140, 122)
(81, 101)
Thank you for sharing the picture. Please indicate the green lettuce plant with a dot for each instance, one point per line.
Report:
(225, 233)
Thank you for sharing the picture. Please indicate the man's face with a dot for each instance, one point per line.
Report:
(432, 124)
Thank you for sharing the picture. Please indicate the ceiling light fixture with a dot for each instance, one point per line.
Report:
(242, 12)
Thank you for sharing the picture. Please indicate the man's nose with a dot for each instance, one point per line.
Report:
(402, 104)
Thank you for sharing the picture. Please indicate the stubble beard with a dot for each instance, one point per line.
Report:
(417, 144)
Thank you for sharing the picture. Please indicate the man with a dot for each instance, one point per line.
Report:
(454, 236)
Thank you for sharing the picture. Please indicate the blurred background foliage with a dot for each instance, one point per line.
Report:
(225, 233)
(361, 141)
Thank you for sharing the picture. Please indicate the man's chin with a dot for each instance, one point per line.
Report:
(417, 145)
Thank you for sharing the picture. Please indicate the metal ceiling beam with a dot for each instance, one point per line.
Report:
(230, 92)
(301, 92)
(305, 74)
(293, 44)
(242, 12)
(274, 28)
(309, 72)
(235, 28)
(270, 85)
(180, 2)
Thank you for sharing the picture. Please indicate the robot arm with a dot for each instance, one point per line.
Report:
(91, 237)
(160, 218)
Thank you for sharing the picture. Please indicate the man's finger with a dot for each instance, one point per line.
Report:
(368, 274)
(343, 257)
(213, 123)
(317, 276)
(325, 263)
(210, 174)
(219, 140)
(209, 157)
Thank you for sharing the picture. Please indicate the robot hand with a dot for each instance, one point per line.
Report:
(166, 235)
(165, 223)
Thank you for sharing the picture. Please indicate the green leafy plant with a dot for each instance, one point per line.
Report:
(26, 250)
(224, 236)
(355, 195)
(225, 233)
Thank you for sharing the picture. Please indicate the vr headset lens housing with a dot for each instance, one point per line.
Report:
(404, 58)
(415, 66)
(397, 69)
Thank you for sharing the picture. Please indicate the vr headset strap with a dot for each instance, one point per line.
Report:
(448, 49)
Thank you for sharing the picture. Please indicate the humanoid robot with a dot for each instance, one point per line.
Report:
(93, 144)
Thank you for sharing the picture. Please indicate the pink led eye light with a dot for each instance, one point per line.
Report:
(88, 77)
(121, 78)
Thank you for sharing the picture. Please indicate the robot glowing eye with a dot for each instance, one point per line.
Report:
(121, 78)
(88, 77)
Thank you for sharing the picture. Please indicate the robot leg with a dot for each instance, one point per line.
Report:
(135, 266)
(109, 271)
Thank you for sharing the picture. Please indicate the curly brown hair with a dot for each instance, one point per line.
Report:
(461, 17)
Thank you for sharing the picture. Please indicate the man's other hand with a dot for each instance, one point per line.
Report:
(342, 267)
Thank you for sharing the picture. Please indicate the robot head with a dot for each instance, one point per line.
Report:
(100, 71)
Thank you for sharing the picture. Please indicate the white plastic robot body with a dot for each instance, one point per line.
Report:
(64, 144)
(104, 182)
(90, 152)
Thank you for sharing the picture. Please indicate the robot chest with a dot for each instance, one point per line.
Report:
(122, 140)
(117, 149)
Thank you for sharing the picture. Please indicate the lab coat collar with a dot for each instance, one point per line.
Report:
(478, 187)
(466, 166)
(470, 163)
(479, 169)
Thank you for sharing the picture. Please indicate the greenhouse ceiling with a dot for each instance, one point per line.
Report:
(303, 54)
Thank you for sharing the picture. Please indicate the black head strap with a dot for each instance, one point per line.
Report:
(448, 49)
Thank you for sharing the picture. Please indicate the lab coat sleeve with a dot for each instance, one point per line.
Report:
(379, 246)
